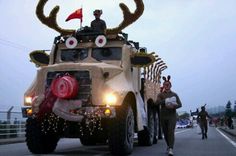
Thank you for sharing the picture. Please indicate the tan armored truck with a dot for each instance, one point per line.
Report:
(95, 86)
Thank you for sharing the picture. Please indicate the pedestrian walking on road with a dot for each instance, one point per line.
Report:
(202, 118)
(169, 102)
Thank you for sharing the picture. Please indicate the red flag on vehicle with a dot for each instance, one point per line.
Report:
(77, 14)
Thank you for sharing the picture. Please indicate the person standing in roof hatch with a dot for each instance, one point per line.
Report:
(98, 24)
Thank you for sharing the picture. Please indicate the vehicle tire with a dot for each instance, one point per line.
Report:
(121, 131)
(156, 126)
(146, 136)
(160, 137)
(37, 141)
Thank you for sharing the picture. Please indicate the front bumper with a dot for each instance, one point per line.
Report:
(79, 114)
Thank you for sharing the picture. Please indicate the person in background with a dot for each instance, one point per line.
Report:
(230, 122)
(202, 118)
(169, 101)
(98, 24)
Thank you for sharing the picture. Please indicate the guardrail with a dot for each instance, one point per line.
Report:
(12, 130)
(11, 125)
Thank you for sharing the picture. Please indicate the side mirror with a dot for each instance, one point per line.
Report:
(142, 59)
(39, 58)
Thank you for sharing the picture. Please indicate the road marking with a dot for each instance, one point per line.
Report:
(182, 131)
(227, 138)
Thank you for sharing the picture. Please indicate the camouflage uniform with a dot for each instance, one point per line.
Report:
(202, 118)
(98, 25)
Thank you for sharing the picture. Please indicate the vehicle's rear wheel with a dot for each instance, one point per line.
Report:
(121, 131)
(156, 125)
(146, 136)
(39, 142)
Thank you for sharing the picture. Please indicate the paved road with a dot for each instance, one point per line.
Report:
(188, 142)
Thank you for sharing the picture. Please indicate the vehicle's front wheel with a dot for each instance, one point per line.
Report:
(39, 142)
(121, 131)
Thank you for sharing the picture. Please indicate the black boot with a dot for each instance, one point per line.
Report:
(206, 135)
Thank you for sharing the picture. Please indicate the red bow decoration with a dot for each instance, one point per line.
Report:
(47, 104)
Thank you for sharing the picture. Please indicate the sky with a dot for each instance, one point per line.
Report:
(195, 38)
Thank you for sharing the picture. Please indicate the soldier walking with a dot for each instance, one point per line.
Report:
(202, 118)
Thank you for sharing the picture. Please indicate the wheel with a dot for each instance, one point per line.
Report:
(121, 131)
(156, 125)
(37, 141)
(159, 123)
(146, 136)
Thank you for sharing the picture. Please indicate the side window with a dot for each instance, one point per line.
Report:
(68, 55)
(106, 53)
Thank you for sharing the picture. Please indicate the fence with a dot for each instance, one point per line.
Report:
(12, 125)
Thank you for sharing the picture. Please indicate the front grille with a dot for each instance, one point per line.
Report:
(82, 77)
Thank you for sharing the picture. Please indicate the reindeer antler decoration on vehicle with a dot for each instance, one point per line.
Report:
(128, 17)
(50, 21)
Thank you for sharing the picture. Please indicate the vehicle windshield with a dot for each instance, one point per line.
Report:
(111, 53)
(68, 55)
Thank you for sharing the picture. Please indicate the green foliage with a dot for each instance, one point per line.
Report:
(235, 107)
(228, 109)
(233, 114)
(184, 116)
(228, 105)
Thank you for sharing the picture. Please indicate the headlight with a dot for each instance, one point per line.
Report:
(29, 112)
(110, 99)
(107, 112)
(28, 100)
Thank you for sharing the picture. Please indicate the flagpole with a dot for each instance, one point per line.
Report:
(80, 24)
(81, 17)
